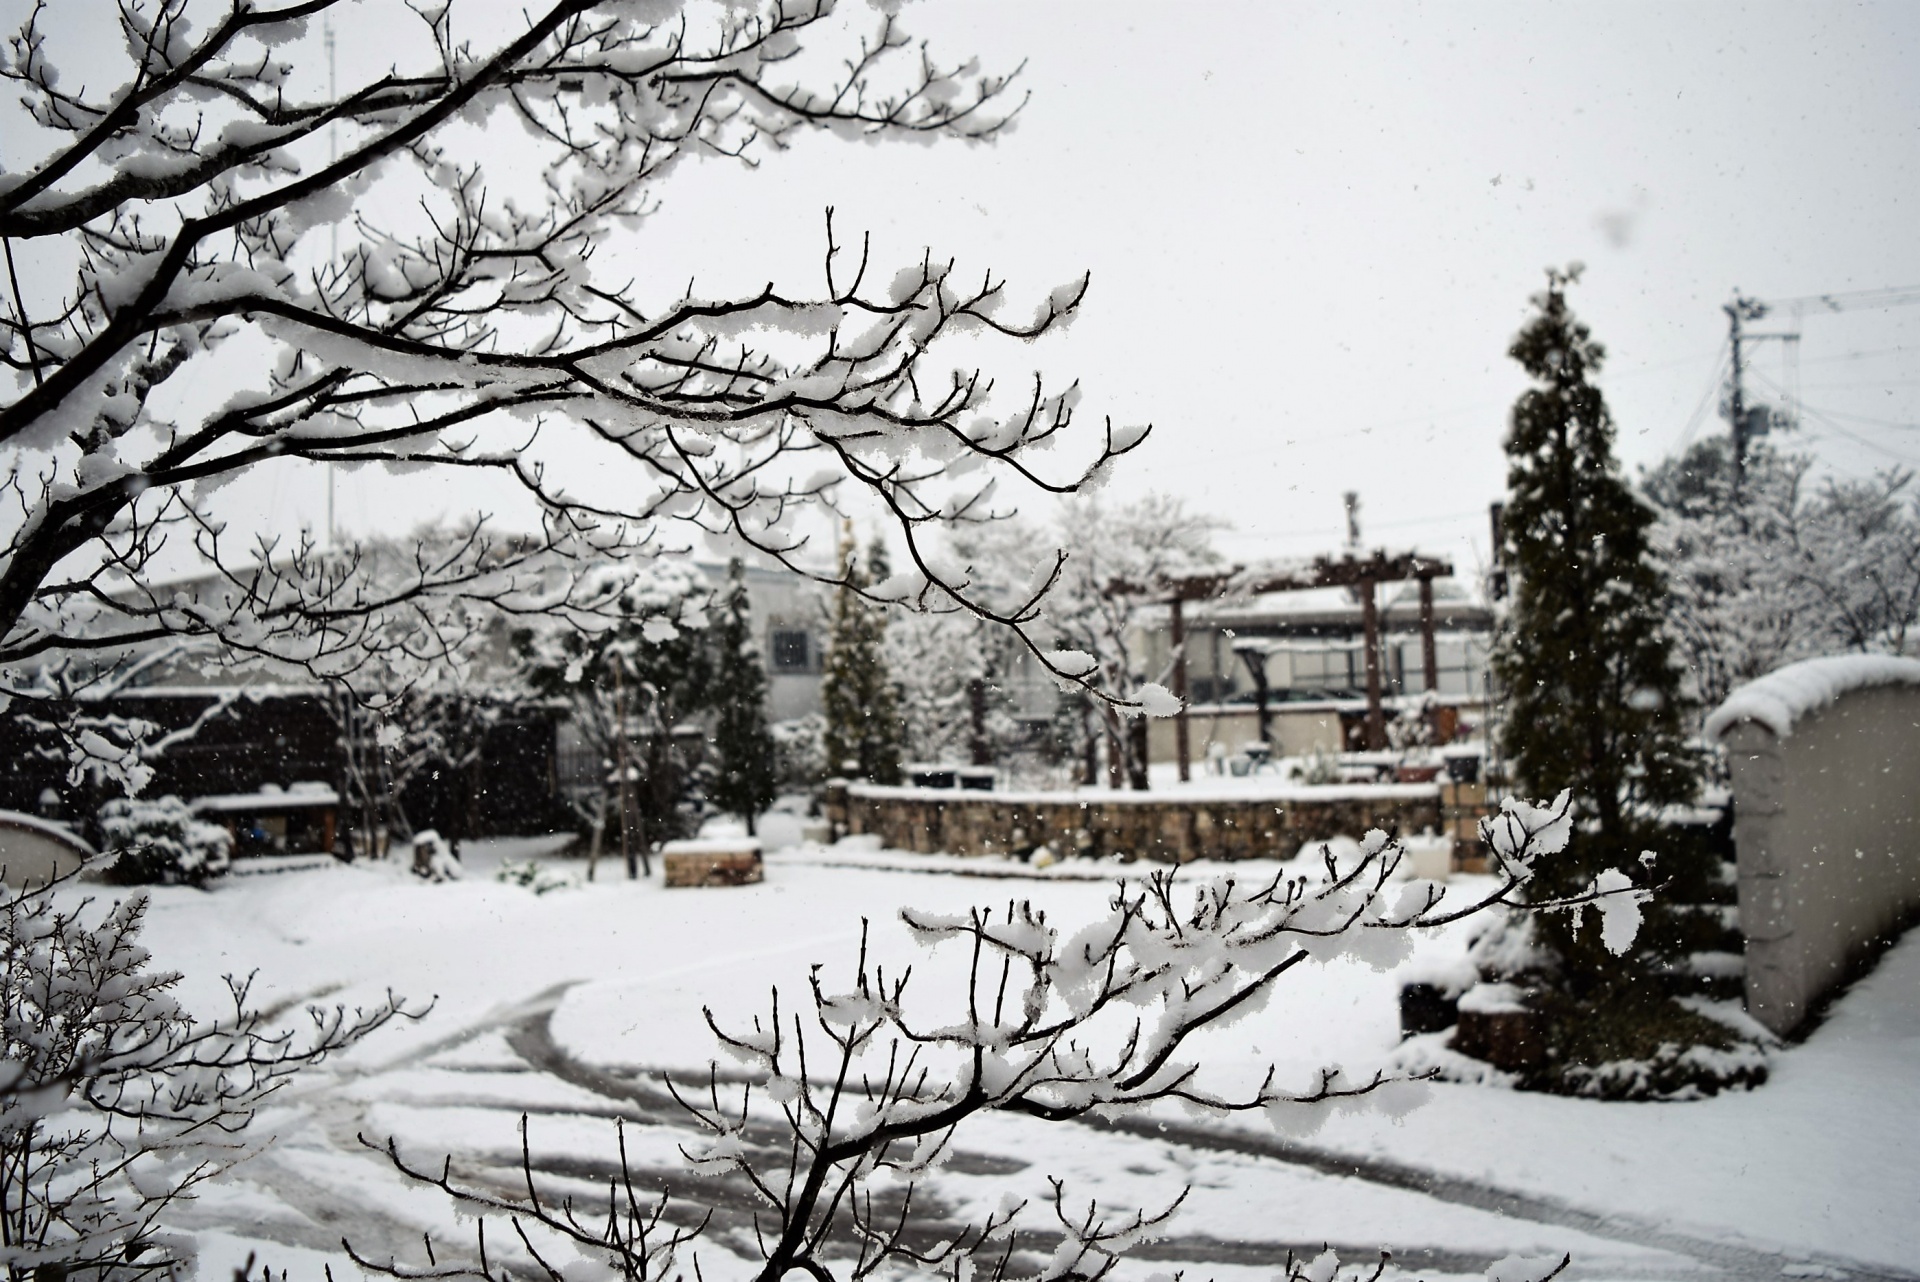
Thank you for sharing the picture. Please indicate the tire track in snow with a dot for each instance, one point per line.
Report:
(532, 1039)
(1719, 1255)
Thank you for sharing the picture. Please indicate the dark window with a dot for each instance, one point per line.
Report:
(791, 651)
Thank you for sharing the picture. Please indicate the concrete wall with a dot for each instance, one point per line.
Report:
(1155, 826)
(33, 852)
(1827, 836)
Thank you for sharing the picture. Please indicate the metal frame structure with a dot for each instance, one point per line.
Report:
(1361, 572)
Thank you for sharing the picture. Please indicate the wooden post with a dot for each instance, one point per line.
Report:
(1182, 745)
(1370, 625)
(979, 749)
(620, 765)
(1429, 655)
(1262, 693)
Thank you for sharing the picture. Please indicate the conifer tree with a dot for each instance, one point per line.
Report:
(863, 722)
(744, 774)
(1593, 697)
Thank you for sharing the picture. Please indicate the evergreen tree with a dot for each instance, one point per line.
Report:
(744, 775)
(1594, 701)
(863, 722)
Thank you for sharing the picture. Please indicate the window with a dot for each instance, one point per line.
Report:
(792, 650)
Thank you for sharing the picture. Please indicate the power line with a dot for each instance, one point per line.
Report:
(1427, 418)
(1887, 296)
(1402, 524)
(1862, 382)
(1899, 425)
(1859, 439)
(1861, 355)
(1706, 398)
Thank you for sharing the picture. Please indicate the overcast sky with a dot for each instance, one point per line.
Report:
(1312, 230)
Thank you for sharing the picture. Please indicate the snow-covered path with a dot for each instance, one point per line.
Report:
(568, 1007)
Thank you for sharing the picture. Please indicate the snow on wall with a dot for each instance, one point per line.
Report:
(1824, 759)
(1781, 698)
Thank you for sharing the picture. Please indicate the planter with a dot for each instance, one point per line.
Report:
(1496, 1026)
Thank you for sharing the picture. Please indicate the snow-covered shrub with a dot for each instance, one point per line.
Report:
(800, 752)
(1413, 726)
(1662, 1050)
(1318, 766)
(162, 841)
(433, 857)
(1656, 1041)
(115, 1103)
(533, 875)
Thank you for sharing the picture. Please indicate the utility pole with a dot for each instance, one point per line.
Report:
(1740, 309)
(333, 244)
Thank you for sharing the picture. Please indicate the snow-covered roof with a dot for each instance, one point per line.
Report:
(1781, 698)
(1398, 602)
(271, 798)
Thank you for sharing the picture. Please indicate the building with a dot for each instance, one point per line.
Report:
(237, 731)
(1284, 662)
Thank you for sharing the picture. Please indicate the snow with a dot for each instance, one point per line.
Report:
(1158, 701)
(1215, 788)
(271, 798)
(1493, 999)
(1783, 697)
(712, 845)
(57, 831)
(1816, 1169)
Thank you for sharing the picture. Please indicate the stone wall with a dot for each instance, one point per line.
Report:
(1826, 788)
(1159, 826)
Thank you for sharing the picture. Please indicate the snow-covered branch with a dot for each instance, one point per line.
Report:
(438, 296)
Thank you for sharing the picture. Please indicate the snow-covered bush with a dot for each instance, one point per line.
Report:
(800, 751)
(1318, 766)
(1413, 726)
(115, 1102)
(835, 1109)
(533, 875)
(1662, 1043)
(162, 841)
(433, 858)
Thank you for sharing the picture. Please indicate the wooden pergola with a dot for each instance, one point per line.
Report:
(1349, 571)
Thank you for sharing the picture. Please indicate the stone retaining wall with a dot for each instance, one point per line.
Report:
(1159, 826)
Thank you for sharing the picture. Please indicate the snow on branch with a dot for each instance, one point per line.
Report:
(840, 1108)
(437, 296)
(116, 1103)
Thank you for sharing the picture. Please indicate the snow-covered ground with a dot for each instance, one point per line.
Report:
(566, 1006)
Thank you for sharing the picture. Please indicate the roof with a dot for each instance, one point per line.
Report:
(301, 796)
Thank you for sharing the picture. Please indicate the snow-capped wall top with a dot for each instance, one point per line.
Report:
(1781, 698)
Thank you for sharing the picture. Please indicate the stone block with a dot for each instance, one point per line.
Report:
(1498, 1027)
(713, 862)
(1426, 1008)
